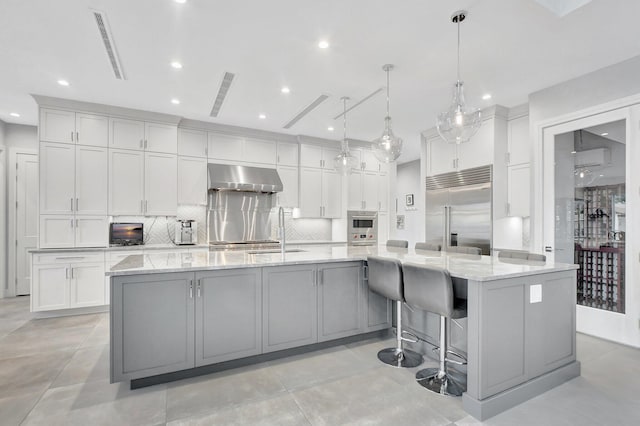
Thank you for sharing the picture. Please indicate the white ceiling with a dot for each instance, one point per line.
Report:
(509, 48)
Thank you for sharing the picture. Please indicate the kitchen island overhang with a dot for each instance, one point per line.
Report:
(520, 327)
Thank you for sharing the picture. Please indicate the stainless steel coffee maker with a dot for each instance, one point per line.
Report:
(186, 232)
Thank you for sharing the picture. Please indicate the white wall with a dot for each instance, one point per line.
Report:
(607, 89)
(11, 136)
(408, 182)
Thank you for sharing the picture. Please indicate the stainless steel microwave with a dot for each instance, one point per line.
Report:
(362, 228)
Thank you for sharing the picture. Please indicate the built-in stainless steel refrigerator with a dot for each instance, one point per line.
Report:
(458, 209)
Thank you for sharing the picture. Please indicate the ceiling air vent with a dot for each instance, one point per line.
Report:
(109, 45)
(357, 104)
(313, 105)
(222, 93)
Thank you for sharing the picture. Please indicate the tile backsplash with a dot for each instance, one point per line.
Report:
(161, 229)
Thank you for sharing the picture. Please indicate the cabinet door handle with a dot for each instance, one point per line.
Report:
(72, 223)
(199, 288)
(365, 272)
(77, 137)
(66, 273)
(191, 289)
(141, 143)
(72, 136)
(320, 210)
(72, 272)
(146, 144)
(146, 206)
(77, 208)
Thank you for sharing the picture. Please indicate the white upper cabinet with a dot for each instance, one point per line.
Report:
(310, 192)
(126, 134)
(369, 161)
(192, 143)
(91, 181)
(370, 191)
(310, 156)
(519, 184)
(192, 180)
(126, 182)
(317, 156)
(354, 191)
(478, 151)
(225, 147)
(331, 194)
(72, 127)
(441, 156)
(289, 195)
(518, 140)
(328, 155)
(260, 151)
(57, 126)
(56, 231)
(91, 231)
(160, 184)
(287, 154)
(92, 129)
(143, 136)
(57, 178)
(383, 192)
(161, 138)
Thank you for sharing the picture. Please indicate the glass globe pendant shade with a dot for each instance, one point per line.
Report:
(388, 147)
(459, 123)
(345, 162)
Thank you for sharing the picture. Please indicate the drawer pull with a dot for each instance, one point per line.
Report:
(69, 257)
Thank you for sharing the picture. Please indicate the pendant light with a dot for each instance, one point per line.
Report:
(460, 122)
(345, 162)
(387, 148)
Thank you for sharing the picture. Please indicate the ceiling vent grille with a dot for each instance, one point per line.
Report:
(313, 105)
(227, 79)
(109, 45)
(357, 104)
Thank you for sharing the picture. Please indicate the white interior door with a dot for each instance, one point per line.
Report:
(26, 228)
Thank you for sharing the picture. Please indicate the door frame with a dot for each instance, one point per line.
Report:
(622, 328)
(11, 230)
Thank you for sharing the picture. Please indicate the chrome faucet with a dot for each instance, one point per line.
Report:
(281, 229)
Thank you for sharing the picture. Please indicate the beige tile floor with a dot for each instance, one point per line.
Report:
(55, 372)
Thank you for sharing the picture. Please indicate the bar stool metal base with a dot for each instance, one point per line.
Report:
(404, 358)
(450, 383)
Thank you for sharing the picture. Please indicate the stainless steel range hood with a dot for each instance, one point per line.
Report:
(226, 177)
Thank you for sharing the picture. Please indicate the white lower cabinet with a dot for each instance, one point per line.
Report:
(86, 285)
(69, 280)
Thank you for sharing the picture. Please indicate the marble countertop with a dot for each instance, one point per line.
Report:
(167, 247)
(471, 267)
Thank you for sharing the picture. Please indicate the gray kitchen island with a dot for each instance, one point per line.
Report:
(174, 315)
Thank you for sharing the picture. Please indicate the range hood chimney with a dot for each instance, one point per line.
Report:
(227, 177)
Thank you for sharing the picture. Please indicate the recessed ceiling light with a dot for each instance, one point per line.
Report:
(63, 82)
(285, 89)
(601, 175)
(330, 128)
(180, 1)
(573, 152)
(175, 101)
(604, 134)
(262, 116)
(14, 114)
(177, 65)
(323, 44)
(486, 96)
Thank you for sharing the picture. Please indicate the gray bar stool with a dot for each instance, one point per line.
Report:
(385, 278)
(428, 246)
(398, 243)
(430, 289)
